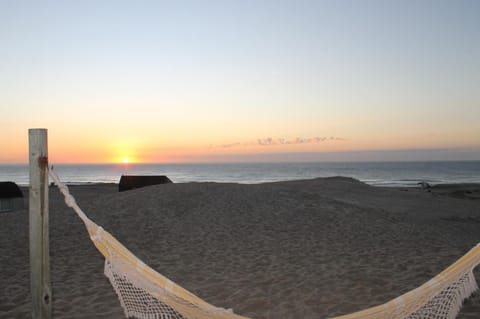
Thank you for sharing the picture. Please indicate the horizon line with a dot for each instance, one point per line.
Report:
(446, 154)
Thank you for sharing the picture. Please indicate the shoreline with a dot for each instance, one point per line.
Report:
(413, 185)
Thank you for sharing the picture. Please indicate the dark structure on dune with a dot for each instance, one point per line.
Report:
(128, 182)
(11, 197)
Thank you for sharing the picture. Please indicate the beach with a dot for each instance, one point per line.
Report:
(305, 249)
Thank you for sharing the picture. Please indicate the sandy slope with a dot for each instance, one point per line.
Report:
(300, 249)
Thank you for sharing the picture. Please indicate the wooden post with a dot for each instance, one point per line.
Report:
(39, 239)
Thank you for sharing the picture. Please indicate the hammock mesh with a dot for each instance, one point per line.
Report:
(146, 294)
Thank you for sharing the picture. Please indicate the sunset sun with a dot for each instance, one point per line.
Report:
(125, 160)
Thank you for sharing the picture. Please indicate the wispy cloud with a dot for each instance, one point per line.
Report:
(271, 141)
(298, 140)
(230, 145)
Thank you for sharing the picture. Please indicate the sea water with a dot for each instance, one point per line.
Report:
(374, 173)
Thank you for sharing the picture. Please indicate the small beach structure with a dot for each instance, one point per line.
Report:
(11, 197)
(128, 182)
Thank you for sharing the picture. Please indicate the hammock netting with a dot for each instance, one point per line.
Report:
(146, 294)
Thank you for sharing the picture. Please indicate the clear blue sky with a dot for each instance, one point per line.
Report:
(182, 80)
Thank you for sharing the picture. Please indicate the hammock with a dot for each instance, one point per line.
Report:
(146, 294)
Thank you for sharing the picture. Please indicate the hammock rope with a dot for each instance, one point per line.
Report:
(146, 294)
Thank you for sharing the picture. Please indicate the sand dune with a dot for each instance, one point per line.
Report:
(300, 249)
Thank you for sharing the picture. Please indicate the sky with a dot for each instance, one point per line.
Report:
(250, 80)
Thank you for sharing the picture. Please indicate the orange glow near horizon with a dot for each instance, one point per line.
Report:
(111, 146)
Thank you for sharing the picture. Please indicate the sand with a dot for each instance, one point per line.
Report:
(300, 249)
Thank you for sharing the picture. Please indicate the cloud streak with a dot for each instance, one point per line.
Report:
(299, 140)
(272, 141)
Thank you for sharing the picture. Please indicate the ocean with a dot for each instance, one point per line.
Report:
(373, 173)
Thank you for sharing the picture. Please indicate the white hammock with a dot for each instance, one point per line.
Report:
(146, 294)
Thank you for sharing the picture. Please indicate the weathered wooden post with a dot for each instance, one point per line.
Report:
(39, 236)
